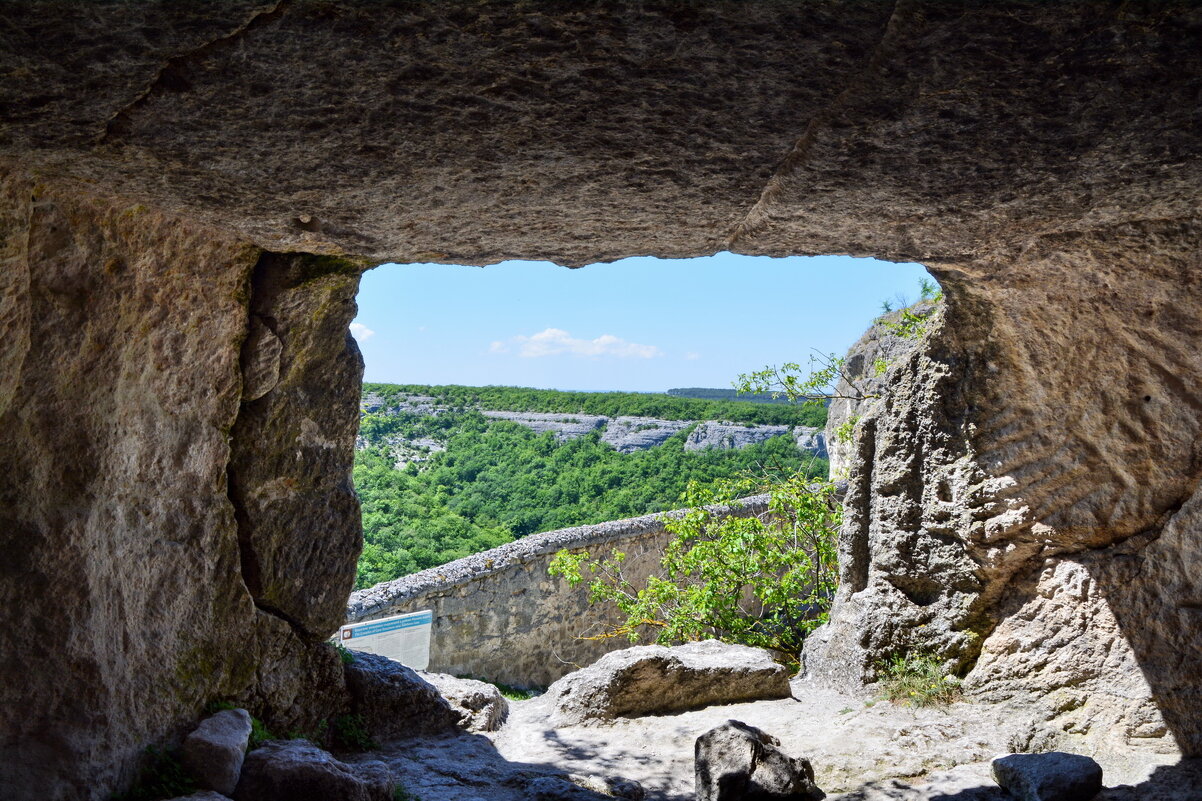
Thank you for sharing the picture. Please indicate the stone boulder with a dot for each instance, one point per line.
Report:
(394, 700)
(213, 753)
(1054, 776)
(610, 786)
(480, 705)
(652, 679)
(297, 770)
(737, 762)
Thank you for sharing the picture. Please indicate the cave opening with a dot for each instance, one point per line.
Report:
(592, 357)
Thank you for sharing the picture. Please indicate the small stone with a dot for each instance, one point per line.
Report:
(738, 762)
(1054, 776)
(611, 786)
(297, 770)
(213, 753)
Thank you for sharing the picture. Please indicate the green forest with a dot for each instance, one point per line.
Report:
(760, 410)
(498, 480)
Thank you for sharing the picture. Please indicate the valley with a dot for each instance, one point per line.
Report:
(445, 472)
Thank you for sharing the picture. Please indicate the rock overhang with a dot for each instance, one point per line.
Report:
(475, 131)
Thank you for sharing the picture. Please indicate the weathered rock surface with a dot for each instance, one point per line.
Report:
(1053, 776)
(736, 762)
(649, 679)
(297, 770)
(214, 751)
(122, 333)
(865, 378)
(630, 434)
(554, 788)
(203, 795)
(1035, 484)
(564, 426)
(987, 520)
(583, 788)
(394, 700)
(303, 482)
(857, 749)
(480, 705)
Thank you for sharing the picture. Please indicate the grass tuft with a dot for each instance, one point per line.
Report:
(917, 679)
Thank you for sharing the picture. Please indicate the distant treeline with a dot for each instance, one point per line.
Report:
(713, 393)
(664, 406)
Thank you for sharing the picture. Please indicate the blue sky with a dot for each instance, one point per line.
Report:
(639, 324)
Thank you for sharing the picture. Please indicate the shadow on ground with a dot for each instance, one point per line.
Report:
(468, 767)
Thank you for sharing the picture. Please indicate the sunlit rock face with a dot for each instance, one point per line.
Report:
(1020, 496)
(173, 477)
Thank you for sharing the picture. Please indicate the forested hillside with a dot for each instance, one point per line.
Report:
(445, 481)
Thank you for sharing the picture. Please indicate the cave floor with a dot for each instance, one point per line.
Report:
(861, 750)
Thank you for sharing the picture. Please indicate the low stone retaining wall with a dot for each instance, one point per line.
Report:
(499, 616)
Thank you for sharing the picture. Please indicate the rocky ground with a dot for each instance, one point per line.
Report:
(861, 750)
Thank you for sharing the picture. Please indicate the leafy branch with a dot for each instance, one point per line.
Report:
(815, 384)
(763, 580)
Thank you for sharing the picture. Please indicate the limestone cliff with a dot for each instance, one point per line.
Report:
(625, 434)
(1024, 501)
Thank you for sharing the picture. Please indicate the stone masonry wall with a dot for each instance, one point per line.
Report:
(498, 615)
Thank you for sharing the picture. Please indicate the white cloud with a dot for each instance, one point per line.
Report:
(361, 332)
(692, 355)
(555, 342)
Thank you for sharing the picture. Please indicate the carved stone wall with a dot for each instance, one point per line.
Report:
(1018, 498)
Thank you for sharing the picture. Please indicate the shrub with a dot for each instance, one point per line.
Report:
(350, 732)
(162, 776)
(917, 679)
(259, 734)
(765, 582)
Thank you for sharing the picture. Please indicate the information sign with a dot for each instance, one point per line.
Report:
(403, 638)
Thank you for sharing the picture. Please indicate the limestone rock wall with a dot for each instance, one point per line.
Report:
(865, 379)
(122, 333)
(499, 616)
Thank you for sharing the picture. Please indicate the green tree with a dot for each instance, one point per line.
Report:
(765, 581)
